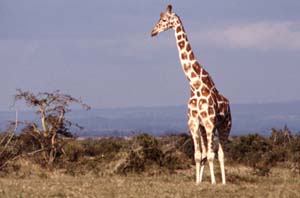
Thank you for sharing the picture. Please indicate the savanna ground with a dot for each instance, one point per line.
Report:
(241, 183)
(145, 166)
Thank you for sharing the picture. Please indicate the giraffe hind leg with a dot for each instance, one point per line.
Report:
(221, 161)
(223, 131)
(203, 151)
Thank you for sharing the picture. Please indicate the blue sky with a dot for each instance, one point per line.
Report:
(102, 50)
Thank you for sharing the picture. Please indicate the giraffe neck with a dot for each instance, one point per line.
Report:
(190, 65)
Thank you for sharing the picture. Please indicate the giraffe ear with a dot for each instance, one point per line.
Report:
(169, 9)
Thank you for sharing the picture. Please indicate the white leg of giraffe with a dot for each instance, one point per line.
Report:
(197, 155)
(201, 172)
(221, 160)
(210, 153)
(223, 131)
(197, 159)
(194, 126)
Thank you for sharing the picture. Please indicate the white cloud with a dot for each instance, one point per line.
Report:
(261, 35)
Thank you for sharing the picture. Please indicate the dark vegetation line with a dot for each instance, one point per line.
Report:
(51, 145)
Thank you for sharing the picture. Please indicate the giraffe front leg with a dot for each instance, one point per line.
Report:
(197, 156)
(194, 126)
(198, 164)
(210, 152)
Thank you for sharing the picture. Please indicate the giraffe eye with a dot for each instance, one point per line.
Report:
(164, 20)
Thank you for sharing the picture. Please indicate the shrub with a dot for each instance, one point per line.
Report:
(73, 151)
(295, 154)
(54, 126)
(282, 137)
(178, 151)
(252, 150)
(132, 164)
(28, 140)
(147, 148)
(144, 152)
(106, 147)
(184, 143)
(8, 149)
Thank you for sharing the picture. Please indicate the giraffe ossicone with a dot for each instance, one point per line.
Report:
(208, 110)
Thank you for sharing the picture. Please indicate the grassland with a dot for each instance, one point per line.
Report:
(241, 183)
(146, 166)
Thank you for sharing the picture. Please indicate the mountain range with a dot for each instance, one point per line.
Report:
(247, 118)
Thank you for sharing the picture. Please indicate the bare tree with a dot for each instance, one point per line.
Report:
(54, 127)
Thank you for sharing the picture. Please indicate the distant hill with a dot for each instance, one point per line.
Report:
(161, 120)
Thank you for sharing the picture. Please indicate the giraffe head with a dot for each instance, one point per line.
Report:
(166, 21)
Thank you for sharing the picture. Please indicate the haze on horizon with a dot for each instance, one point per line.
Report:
(102, 50)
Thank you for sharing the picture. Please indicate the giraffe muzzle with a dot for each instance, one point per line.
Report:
(154, 33)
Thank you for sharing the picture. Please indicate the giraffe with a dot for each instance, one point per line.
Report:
(208, 110)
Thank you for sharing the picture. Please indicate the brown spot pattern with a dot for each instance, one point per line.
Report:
(205, 91)
(197, 68)
(207, 80)
(203, 114)
(192, 56)
(202, 102)
(198, 93)
(188, 47)
(186, 67)
(183, 56)
(193, 102)
(197, 84)
(181, 44)
(204, 73)
(194, 113)
(219, 97)
(193, 75)
(210, 111)
(178, 29)
(210, 101)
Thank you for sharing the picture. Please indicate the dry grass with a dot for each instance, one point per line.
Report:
(91, 168)
(280, 183)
